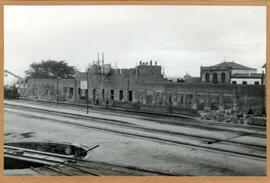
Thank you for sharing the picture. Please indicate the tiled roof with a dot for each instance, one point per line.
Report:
(232, 65)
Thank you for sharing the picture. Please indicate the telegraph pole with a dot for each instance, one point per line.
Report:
(262, 80)
(57, 91)
(102, 75)
(87, 101)
(128, 97)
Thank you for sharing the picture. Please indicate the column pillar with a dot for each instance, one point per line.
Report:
(207, 101)
(235, 104)
(194, 101)
(175, 98)
(154, 98)
(144, 97)
(164, 100)
(219, 77)
(184, 99)
(221, 102)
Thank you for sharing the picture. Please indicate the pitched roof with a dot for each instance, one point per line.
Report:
(232, 65)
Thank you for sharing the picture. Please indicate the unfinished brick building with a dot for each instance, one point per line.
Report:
(145, 88)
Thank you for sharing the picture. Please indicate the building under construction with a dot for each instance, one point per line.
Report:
(144, 87)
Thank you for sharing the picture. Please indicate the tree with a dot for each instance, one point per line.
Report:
(51, 69)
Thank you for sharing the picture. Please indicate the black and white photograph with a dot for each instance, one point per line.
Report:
(134, 90)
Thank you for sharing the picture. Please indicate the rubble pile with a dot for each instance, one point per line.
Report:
(230, 116)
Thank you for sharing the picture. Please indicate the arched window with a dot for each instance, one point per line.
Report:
(207, 77)
(223, 77)
(215, 78)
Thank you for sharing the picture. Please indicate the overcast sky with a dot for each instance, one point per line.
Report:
(181, 38)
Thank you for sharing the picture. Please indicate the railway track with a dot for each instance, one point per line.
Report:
(145, 115)
(56, 164)
(212, 144)
(208, 140)
(121, 123)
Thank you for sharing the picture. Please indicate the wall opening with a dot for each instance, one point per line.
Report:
(207, 77)
(130, 96)
(103, 93)
(182, 99)
(79, 91)
(112, 95)
(86, 94)
(170, 98)
(71, 91)
(223, 77)
(121, 95)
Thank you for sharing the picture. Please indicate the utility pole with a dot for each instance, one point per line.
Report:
(151, 70)
(57, 90)
(128, 87)
(102, 74)
(262, 80)
(87, 101)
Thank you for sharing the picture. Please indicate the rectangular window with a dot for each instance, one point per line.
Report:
(244, 82)
(256, 83)
(234, 82)
(170, 98)
(71, 91)
(182, 98)
(130, 96)
(79, 91)
(121, 95)
(94, 94)
(112, 94)
(103, 93)
(86, 93)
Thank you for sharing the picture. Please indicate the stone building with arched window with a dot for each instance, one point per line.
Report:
(224, 72)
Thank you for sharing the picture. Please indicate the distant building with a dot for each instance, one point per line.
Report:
(189, 79)
(247, 79)
(230, 72)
